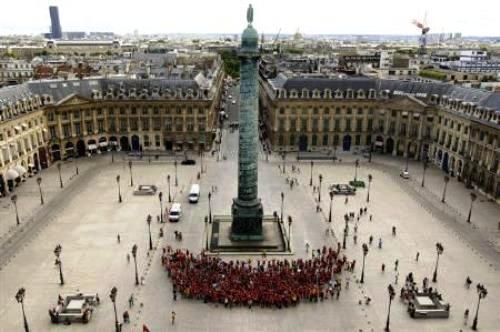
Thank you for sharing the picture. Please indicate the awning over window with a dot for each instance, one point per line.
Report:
(92, 147)
(11, 174)
(103, 144)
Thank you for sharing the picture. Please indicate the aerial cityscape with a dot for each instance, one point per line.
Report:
(273, 166)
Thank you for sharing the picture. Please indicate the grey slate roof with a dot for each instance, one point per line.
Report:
(10, 94)
(299, 83)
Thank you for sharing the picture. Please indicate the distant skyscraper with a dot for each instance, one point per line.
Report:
(55, 28)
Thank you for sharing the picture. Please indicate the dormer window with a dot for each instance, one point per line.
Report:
(350, 94)
(361, 94)
(305, 93)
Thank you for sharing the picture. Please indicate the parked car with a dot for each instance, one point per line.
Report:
(73, 308)
(146, 189)
(342, 189)
(175, 212)
(405, 174)
(194, 193)
(188, 162)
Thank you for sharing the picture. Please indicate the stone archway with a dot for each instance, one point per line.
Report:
(346, 143)
(55, 151)
(379, 143)
(135, 143)
(389, 145)
(3, 188)
(445, 162)
(80, 148)
(69, 149)
(303, 142)
(124, 143)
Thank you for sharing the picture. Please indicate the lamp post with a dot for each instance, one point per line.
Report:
(365, 252)
(345, 236)
(134, 254)
(21, 293)
(289, 232)
(283, 156)
(130, 169)
(112, 155)
(356, 165)
(13, 199)
(210, 207)
(76, 166)
(206, 232)
(39, 182)
(407, 157)
(473, 197)
(331, 203)
(160, 197)
(201, 161)
(370, 155)
(446, 180)
(370, 178)
(57, 252)
(176, 183)
(112, 296)
(60, 177)
(481, 292)
(439, 251)
(119, 189)
(282, 205)
(169, 196)
(311, 180)
(392, 293)
(319, 189)
(425, 165)
(148, 220)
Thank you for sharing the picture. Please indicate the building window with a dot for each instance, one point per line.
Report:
(78, 129)
(146, 140)
(280, 140)
(281, 124)
(292, 139)
(326, 124)
(90, 128)
(157, 140)
(370, 124)
(303, 124)
(314, 140)
(336, 140)
(112, 125)
(156, 123)
(359, 124)
(66, 130)
(349, 111)
(337, 125)
(133, 124)
(100, 126)
(357, 140)
(168, 125)
(348, 124)
(145, 123)
(315, 124)
(293, 124)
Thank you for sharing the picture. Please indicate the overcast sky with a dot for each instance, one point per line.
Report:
(480, 18)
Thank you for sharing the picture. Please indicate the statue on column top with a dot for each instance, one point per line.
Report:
(250, 14)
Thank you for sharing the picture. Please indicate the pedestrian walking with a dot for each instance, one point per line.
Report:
(307, 246)
(383, 267)
(173, 317)
(346, 200)
(128, 258)
(416, 257)
(466, 317)
(396, 277)
(468, 282)
(393, 230)
(355, 238)
(131, 301)
(380, 243)
(370, 240)
(347, 281)
(355, 228)
(118, 238)
(371, 216)
(126, 317)
(396, 263)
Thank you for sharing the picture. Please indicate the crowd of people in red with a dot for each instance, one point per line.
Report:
(268, 283)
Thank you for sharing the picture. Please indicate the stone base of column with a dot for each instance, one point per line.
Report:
(247, 220)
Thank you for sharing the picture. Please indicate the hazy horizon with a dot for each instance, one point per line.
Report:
(312, 17)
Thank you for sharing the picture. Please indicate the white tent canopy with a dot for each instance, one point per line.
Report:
(11, 174)
(20, 169)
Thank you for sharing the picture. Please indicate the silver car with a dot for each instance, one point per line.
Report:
(146, 189)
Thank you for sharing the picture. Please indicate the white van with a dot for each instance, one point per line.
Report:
(194, 193)
(175, 212)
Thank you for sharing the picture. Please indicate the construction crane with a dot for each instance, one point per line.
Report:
(423, 37)
(277, 42)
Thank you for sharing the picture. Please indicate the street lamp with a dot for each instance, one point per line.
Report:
(311, 180)
(370, 155)
(176, 179)
(210, 207)
(160, 197)
(473, 197)
(356, 165)
(407, 157)
(331, 203)
(283, 156)
(169, 196)
(206, 231)
(365, 252)
(392, 293)
(345, 236)
(481, 292)
(57, 252)
(439, 251)
(13, 199)
(425, 165)
(282, 205)
(20, 299)
(319, 189)
(130, 169)
(76, 166)
(112, 155)
(60, 177)
(201, 161)
(289, 232)
(446, 180)
(39, 182)
(112, 296)
(148, 220)
(370, 178)
(134, 254)
(119, 189)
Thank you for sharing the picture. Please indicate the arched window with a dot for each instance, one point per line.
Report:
(314, 140)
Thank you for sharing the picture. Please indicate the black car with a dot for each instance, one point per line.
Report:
(188, 162)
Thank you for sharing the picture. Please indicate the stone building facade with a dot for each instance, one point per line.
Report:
(456, 128)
